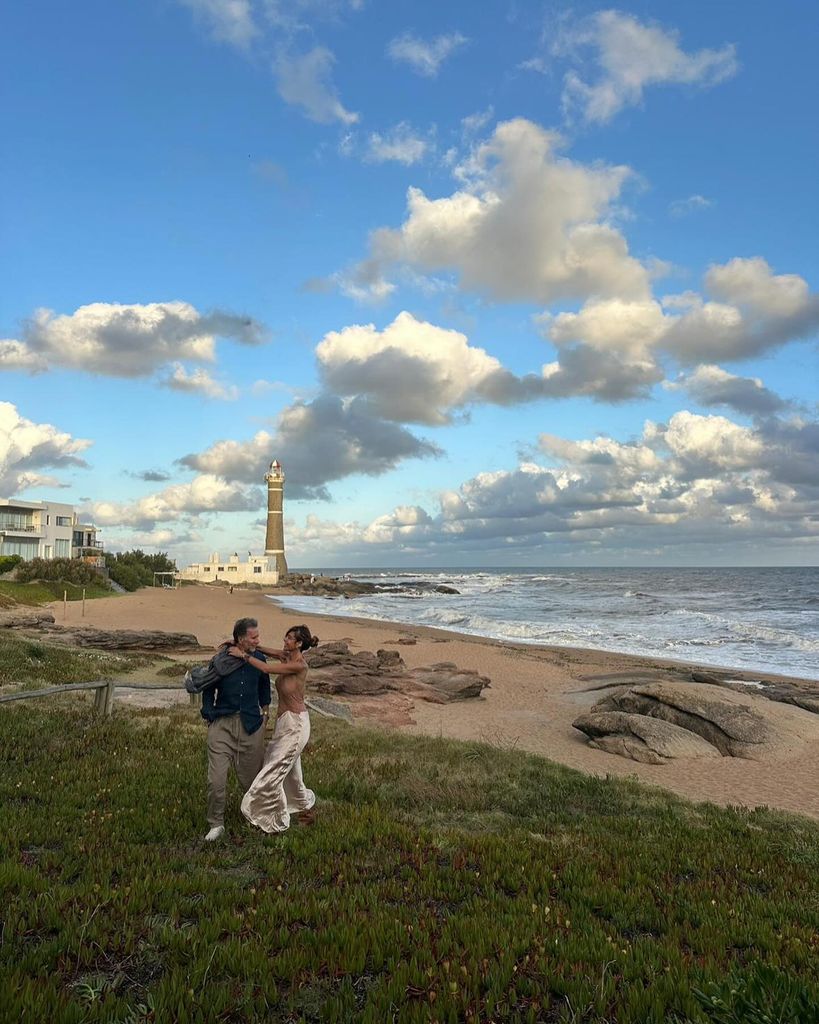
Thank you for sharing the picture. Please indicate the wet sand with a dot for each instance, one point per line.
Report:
(535, 695)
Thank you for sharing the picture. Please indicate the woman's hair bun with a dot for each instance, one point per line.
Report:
(314, 641)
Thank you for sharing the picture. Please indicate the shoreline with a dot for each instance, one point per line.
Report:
(536, 692)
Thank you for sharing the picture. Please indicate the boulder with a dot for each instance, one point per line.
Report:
(649, 740)
(721, 717)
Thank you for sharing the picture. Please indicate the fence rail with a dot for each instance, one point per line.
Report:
(103, 698)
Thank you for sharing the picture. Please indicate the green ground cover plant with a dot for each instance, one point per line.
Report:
(443, 881)
(42, 592)
(28, 663)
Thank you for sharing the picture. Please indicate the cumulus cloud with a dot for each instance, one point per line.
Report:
(155, 476)
(229, 21)
(696, 479)
(752, 311)
(526, 224)
(126, 341)
(317, 442)
(305, 81)
(204, 494)
(16, 355)
(425, 57)
(27, 447)
(630, 56)
(199, 382)
(711, 385)
(400, 145)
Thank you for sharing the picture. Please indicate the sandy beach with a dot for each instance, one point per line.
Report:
(535, 694)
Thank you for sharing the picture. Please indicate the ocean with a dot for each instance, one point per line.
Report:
(764, 620)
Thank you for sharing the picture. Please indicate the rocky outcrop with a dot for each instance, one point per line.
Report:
(24, 618)
(721, 718)
(124, 639)
(335, 669)
(339, 586)
(652, 722)
(641, 738)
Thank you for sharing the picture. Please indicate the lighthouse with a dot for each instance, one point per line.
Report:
(274, 540)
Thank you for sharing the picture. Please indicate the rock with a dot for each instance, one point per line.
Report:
(722, 718)
(645, 739)
(20, 618)
(125, 639)
(442, 589)
(706, 677)
(334, 669)
(330, 708)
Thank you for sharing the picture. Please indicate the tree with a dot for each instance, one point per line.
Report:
(135, 569)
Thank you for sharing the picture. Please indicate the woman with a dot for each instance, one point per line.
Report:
(278, 790)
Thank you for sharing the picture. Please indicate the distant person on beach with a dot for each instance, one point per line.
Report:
(236, 709)
(278, 790)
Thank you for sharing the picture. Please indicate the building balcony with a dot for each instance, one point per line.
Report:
(26, 530)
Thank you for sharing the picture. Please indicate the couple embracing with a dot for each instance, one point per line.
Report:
(237, 709)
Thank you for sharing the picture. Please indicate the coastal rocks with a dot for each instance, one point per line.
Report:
(340, 586)
(24, 618)
(652, 722)
(334, 669)
(124, 639)
(645, 739)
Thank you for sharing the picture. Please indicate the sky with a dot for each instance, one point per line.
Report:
(510, 283)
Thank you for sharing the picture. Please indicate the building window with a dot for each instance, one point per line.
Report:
(257, 568)
(62, 520)
(233, 568)
(62, 548)
(207, 568)
(25, 548)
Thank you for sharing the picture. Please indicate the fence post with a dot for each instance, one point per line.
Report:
(99, 699)
(65, 603)
(83, 602)
(109, 698)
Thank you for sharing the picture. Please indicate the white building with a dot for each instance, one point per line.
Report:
(257, 569)
(46, 529)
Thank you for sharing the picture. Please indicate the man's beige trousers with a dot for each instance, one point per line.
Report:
(229, 744)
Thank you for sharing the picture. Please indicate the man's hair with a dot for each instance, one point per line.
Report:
(241, 627)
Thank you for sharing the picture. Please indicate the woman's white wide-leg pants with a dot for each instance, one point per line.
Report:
(278, 790)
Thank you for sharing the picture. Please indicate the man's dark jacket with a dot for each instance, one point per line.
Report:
(243, 691)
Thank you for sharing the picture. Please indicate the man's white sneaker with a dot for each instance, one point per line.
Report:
(215, 833)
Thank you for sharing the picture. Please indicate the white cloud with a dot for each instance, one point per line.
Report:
(527, 224)
(711, 385)
(205, 494)
(16, 355)
(692, 204)
(410, 371)
(425, 56)
(305, 81)
(199, 382)
(317, 442)
(701, 480)
(27, 447)
(229, 21)
(399, 145)
(631, 56)
(755, 311)
(126, 340)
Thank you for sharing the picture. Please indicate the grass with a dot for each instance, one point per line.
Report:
(442, 882)
(30, 664)
(42, 592)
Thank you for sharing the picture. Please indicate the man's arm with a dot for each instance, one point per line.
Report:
(208, 703)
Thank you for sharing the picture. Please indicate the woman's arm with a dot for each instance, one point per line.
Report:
(271, 652)
(285, 669)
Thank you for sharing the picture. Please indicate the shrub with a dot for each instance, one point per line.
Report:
(8, 562)
(134, 569)
(69, 570)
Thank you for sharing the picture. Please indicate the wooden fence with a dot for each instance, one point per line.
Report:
(103, 698)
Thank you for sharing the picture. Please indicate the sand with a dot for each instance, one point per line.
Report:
(533, 699)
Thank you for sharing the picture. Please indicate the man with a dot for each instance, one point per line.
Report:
(236, 709)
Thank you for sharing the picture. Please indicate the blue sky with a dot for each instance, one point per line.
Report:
(510, 283)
